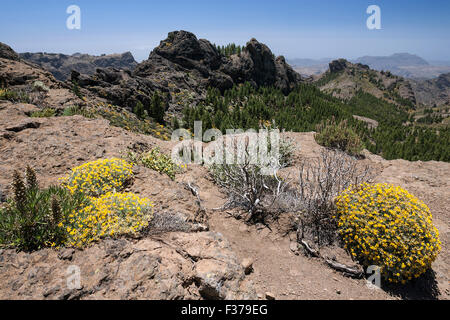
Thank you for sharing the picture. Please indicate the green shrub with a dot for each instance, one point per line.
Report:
(138, 110)
(14, 96)
(76, 89)
(45, 113)
(155, 160)
(339, 136)
(40, 86)
(77, 110)
(33, 218)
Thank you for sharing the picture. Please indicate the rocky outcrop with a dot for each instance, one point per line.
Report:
(338, 65)
(256, 64)
(61, 65)
(7, 53)
(177, 266)
(434, 91)
(183, 67)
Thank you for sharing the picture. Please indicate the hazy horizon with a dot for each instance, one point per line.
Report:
(295, 29)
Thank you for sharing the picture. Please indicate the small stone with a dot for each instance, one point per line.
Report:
(294, 247)
(99, 153)
(51, 291)
(270, 296)
(338, 291)
(243, 228)
(247, 264)
(66, 254)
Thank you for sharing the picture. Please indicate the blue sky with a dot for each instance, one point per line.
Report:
(293, 28)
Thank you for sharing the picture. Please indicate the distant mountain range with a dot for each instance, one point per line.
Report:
(402, 64)
(61, 65)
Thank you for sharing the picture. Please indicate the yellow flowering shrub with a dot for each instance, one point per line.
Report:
(99, 177)
(113, 214)
(384, 225)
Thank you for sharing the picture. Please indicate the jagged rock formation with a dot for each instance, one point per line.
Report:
(183, 67)
(61, 65)
(256, 64)
(434, 91)
(344, 79)
(7, 53)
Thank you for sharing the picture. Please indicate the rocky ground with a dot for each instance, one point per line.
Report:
(232, 260)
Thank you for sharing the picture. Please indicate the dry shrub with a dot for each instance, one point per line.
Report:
(320, 181)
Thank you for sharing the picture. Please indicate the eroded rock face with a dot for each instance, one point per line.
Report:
(184, 65)
(179, 266)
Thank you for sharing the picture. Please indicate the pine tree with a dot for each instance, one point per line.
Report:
(139, 110)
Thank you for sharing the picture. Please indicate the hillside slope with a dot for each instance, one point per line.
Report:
(344, 79)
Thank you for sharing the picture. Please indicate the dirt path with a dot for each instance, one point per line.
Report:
(279, 271)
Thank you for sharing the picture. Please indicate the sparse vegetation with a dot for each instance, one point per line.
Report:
(248, 188)
(40, 86)
(14, 96)
(119, 117)
(77, 110)
(155, 160)
(44, 113)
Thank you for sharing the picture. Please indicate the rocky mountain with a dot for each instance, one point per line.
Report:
(393, 61)
(61, 65)
(344, 79)
(404, 64)
(6, 52)
(183, 67)
(434, 91)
